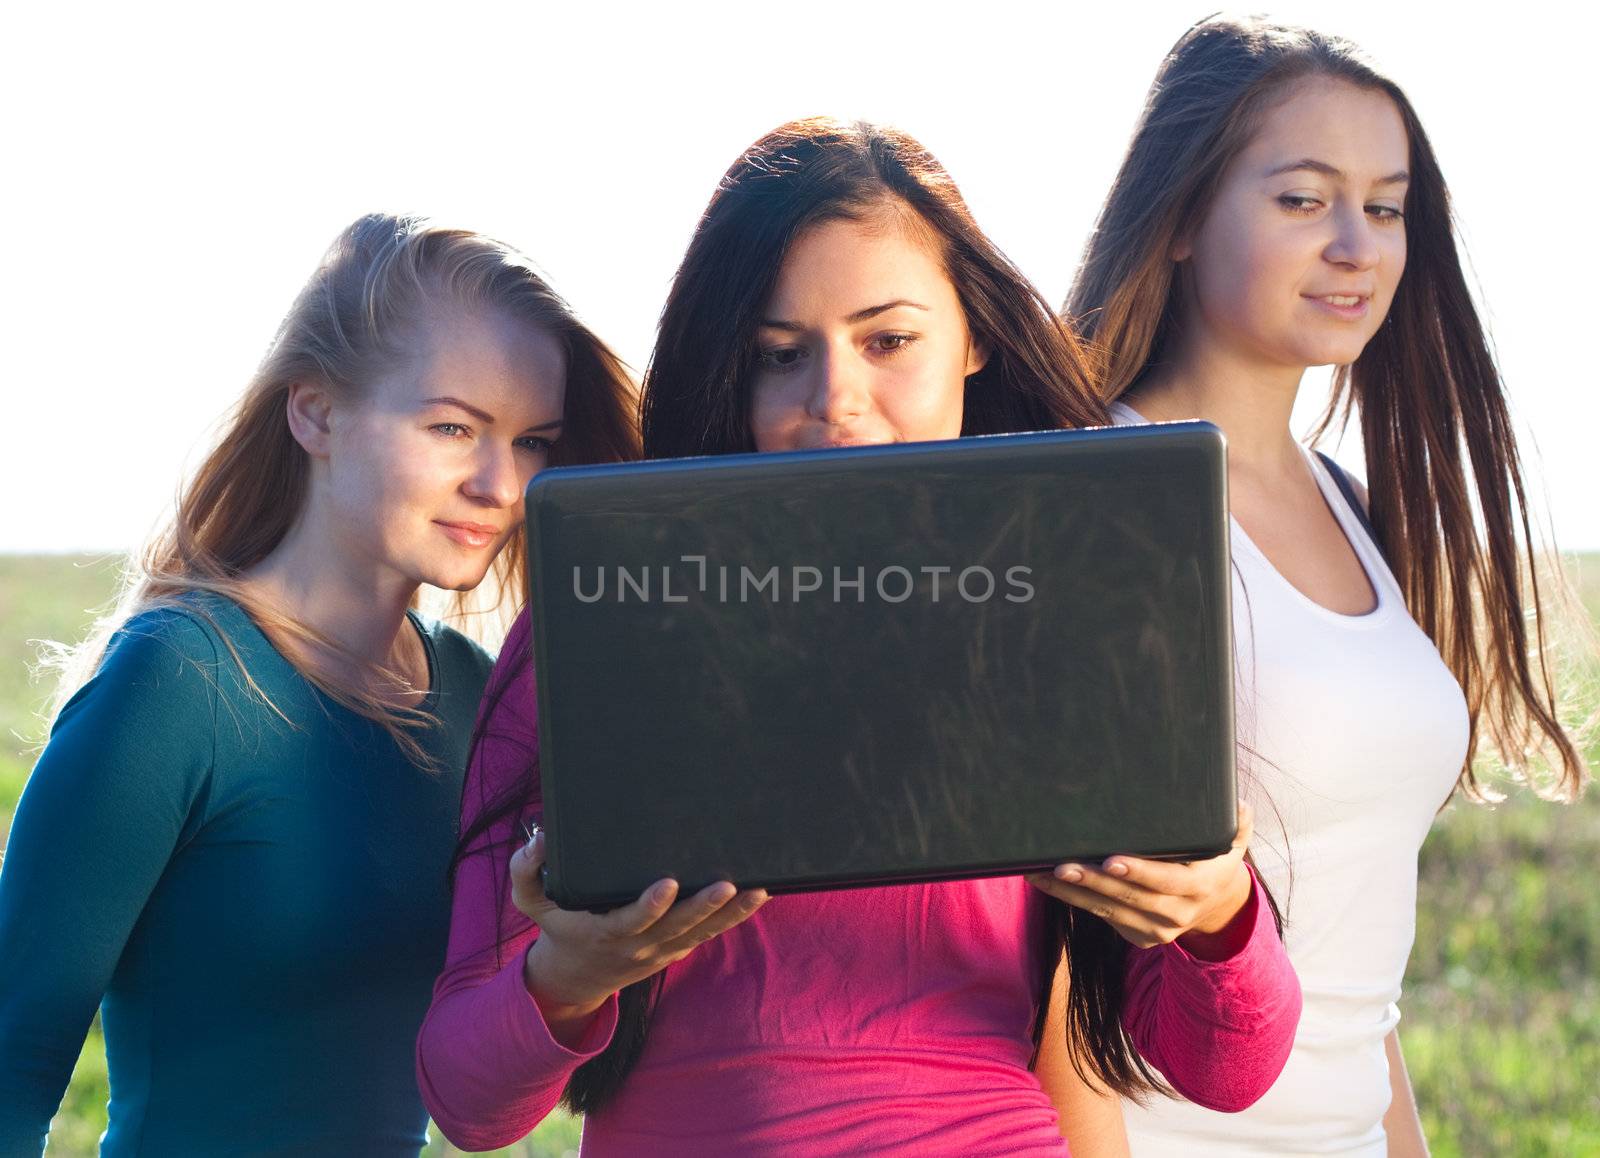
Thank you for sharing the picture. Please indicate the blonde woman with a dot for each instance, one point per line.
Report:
(235, 843)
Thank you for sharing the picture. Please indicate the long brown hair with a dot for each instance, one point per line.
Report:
(351, 322)
(1441, 453)
(696, 401)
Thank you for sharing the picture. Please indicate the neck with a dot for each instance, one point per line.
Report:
(360, 604)
(1250, 401)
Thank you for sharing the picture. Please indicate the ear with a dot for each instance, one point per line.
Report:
(310, 413)
(1182, 248)
(977, 355)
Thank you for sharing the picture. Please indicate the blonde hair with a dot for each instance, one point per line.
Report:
(353, 321)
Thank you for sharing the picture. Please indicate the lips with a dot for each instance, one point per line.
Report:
(1347, 306)
(475, 536)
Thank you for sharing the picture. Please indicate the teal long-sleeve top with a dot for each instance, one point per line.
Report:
(250, 885)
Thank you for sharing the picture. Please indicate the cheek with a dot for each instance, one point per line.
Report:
(777, 408)
(1244, 277)
(379, 476)
(1391, 268)
(925, 401)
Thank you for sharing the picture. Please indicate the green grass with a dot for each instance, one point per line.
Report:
(1502, 1007)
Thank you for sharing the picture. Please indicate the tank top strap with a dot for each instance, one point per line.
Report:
(1354, 524)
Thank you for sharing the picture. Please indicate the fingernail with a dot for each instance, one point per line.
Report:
(661, 891)
(1070, 873)
(1117, 868)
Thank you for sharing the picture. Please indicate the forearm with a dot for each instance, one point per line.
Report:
(1402, 1123)
(1219, 1031)
(488, 1065)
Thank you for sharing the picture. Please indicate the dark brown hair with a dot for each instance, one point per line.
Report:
(1441, 454)
(696, 394)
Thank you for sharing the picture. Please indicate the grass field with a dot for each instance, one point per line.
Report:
(1502, 1006)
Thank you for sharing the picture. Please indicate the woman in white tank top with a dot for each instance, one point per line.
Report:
(1279, 208)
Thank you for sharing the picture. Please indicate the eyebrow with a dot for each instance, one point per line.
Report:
(858, 316)
(1312, 165)
(481, 415)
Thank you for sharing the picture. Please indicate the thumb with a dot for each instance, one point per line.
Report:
(527, 882)
(1247, 826)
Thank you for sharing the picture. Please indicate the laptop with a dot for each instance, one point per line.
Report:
(884, 664)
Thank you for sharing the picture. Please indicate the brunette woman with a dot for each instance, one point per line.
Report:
(1280, 207)
(837, 292)
(235, 842)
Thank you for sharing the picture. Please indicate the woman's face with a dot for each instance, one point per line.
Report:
(426, 469)
(863, 340)
(1297, 260)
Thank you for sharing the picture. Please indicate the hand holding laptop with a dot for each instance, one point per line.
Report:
(1151, 902)
(581, 959)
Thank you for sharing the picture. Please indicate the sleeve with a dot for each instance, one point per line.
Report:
(108, 802)
(487, 1065)
(1219, 1031)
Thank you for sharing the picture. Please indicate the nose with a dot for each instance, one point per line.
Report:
(839, 389)
(1354, 243)
(494, 480)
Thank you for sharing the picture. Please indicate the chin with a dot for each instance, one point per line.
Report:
(452, 578)
(1339, 353)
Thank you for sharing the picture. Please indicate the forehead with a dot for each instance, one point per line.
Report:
(488, 358)
(1358, 130)
(854, 264)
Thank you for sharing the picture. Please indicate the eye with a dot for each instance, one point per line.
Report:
(450, 429)
(1300, 203)
(534, 443)
(892, 343)
(1385, 212)
(782, 358)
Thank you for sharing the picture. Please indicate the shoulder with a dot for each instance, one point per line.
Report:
(152, 699)
(169, 646)
(509, 716)
(1338, 473)
(462, 661)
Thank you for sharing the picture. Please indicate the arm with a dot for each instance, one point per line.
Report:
(1090, 1119)
(529, 991)
(112, 796)
(1400, 1122)
(1211, 999)
(1219, 1031)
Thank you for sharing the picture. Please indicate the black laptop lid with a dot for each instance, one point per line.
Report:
(909, 662)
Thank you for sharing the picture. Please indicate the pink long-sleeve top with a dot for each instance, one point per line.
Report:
(891, 1021)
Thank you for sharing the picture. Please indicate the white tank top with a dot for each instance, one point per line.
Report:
(1351, 734)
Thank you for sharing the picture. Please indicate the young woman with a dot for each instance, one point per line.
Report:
(837, 292)
(1279, 208)
(236, 840)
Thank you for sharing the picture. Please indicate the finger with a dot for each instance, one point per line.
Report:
(652, 905)
(1166, 878)
(735, 912)
(687, 914)
(527, 886)
(1132, 924)
(1129, 892)
(1247, 826)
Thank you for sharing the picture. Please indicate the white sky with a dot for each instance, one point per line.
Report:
(176, 172)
